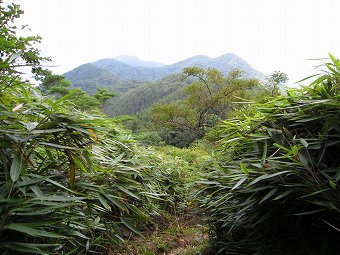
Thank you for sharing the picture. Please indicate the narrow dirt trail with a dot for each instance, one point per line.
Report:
(190, 244)
(179, 238)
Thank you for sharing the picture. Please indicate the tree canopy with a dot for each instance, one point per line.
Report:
(209, 99)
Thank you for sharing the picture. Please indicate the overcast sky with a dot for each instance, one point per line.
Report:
(269, 34)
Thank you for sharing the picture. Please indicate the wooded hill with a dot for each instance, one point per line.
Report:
(139, 83)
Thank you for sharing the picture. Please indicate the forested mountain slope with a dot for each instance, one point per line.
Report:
(125, 71)
(88, 77)
(148, 93)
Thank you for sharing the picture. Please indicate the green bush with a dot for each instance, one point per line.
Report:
(275, 189)
(67, 179)
(150, 138)
(170, 174)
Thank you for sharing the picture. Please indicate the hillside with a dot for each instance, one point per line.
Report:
(128, 72)
(89, 77)
(224, 63)
(148, 93)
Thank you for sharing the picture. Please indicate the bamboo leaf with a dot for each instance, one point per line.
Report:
(48, 131)
(128, 192)
(65, 98)
(37, 191)
(21, 227)
(282, 147)
(242, 180)
(244, 169)
(29, 181)
(130, 226)
(117, 159)
(303, 142)
(284, 194)
(32, 248)
(116, 202)
(310, 212)
(269, 194)
(104, 202)
(332, 184)
(59, 198)
(59, 146)
(139, 212)
(17, 167)
(267, 176)
(30, 126)
(319, 80)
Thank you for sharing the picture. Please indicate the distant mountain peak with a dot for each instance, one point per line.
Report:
(128, 67)
(134, 61)
(228, 55)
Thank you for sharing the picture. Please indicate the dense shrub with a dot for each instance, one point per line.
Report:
(67, 179)
(170, 174)
(275, 189)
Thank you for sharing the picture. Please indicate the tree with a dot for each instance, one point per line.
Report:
(58, 86)
(15, 51)
(274, 80)
(207, 100)
(102, 96)
(52, 84)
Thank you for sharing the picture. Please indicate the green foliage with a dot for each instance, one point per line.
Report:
(41, 161)
(15, 51)
(207, 100)
(274, 80)
(150, 138)
(139, 99)
(171, 173)
(84, 101)
(102, 95)
(275, 188)
(52, 84)
(57, 86)
(67, 179)
(71, 182)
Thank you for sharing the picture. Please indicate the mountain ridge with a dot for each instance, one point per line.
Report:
(137, 62)
(225, 63)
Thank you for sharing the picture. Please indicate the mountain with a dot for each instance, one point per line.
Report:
(224, 63)
(89, 77)
(138, 87)
(134, 61)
